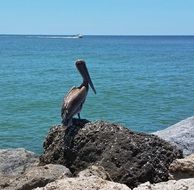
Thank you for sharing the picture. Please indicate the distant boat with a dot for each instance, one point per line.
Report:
(75, 36)
(79, 36)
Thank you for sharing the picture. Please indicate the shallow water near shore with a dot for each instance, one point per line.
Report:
(143, 83)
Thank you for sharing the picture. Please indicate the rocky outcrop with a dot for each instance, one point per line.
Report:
(128, 157)
(100, 154)
(56, 177)
(14, 162)
(19, 170)
(182, 168)
(180, 134)
(27, 175)
(89, 179)
(182, 173)
(183, 184)
(96, 171)
(37, 176)
(79, 183)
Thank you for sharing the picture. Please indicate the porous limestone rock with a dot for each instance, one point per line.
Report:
(98, 171)
(36, 176)
(183, 184)
(182, 168)
(128, 157)
(19, 170)
(84, 183)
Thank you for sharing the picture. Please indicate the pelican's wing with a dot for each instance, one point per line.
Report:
(72, 102)
(65, 100)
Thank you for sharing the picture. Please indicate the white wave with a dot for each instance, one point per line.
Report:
(59, 37)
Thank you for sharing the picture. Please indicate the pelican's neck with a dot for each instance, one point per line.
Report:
(85, 75)
(84, 83)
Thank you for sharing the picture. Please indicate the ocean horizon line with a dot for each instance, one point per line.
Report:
(125, 35)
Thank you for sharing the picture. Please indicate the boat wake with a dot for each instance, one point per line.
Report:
(62, 37)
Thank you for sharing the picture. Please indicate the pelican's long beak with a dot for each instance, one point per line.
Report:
(81, 66)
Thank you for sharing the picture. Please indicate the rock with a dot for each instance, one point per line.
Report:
(19, 170)
(180, 134)
(96, 171)
(14, 162)
(183, 184)
(182, 168)
(82, 183)
(4, 181)
(37, 176)
(128, 157)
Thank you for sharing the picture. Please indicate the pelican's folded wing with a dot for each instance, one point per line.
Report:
(65, 99)
(73, 102)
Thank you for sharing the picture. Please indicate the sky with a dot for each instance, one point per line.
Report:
(97, 17)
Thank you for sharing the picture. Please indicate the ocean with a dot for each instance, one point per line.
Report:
(145, 83)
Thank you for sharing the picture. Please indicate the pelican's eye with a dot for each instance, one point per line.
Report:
(80, 62)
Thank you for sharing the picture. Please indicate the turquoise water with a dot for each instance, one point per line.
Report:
(144, 83)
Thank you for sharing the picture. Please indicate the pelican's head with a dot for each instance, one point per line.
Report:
(81, 66)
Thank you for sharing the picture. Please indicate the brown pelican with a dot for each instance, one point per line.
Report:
(75, 98)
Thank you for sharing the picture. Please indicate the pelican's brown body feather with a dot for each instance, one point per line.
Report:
(73, 102)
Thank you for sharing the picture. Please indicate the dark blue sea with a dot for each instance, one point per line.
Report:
(145, 83)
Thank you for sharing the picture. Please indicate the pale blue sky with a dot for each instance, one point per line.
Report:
(116, 17)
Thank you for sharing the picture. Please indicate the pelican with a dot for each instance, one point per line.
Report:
(75, 98)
